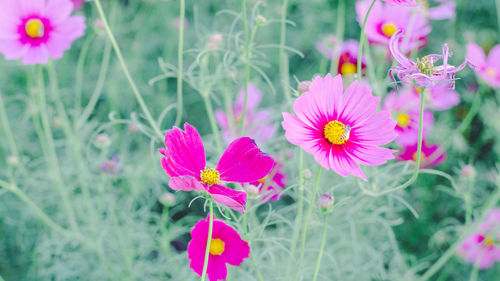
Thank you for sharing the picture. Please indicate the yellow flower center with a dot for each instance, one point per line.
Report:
(348, 68)
(426, 66)
(422, 157)
(389, 29)
(403, 120)
(491, 72)
(217, 247)
(419, 90)
(262, 180)
(210, 176)
(488, 241)
(35, 28)
(336, 132)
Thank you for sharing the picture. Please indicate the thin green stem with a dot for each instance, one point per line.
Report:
(340, 34)
(51, 150)
(494, 198)
(229, 110)
(308, 216)
(474, 273)
(213, 124)
(256, 266)
(497, 2)
(79, 73)
(180, 62)
(467, 201)
(476, 104)
(362, 39)
(321, 249)
(209, 238)
(284, 67)
(300, 211)
(247, 66)
(119, 55)
(6, 128)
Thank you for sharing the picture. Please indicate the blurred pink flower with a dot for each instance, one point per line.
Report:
(184, 161)
(327, 46)
(341, 129)
(423, 72)
(177, 23)
(78, 4)
(258, 123)
(439, 97)
(226, 247)
(405, 108)
(36, 30)
(348, 58)
(272, 185)
(111, 167)
(403, 2)
(483, 247)
(488, 68)
(431, 156)
(444, 10)
(385, 20)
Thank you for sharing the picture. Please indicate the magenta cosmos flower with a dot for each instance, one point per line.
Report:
(257, 122)
(226, 247)
(432, 155)
(36, 30)
(405, 108)
(488, 68)
(408, 3)
(483, 247)
(348, 58)
(423, 72)
(340, 129)
(184, 161)
(385, 20)
(272, 185)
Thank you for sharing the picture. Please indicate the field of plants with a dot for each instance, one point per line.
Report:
(250, 140)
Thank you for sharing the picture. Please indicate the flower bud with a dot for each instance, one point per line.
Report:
(167, 199)
(304, 86)
(252, 189)
(468, 171)
(307, 174)
(57, 123)
(325, 201)
(214, 40)
(102, 141)
(133, 127)
(12, 160)
(261, 20)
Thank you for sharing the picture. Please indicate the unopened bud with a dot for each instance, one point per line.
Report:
(57, 123)
(304, 86)
(214, 40)
(468, 171)
(261, 20)
(167, 199)
(307, 174)
(102, 141)
(325, 201)
(12, 160)
(133, 127)
(252, 189)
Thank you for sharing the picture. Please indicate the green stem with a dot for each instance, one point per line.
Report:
(180, 53)
(229, 110)
(284, 67)
(7, 129)
(467, 201)
(118, 53)
(495, 197)
(308, 216)
(476, 104)
(321, 249)
(209, 238)
(89, 109)
(247, 66)
(340, 34)
(52, 154)
(497, 2)
(474, 273)
(362, 39)
(213, 124)
(256, 266)
(79, 73)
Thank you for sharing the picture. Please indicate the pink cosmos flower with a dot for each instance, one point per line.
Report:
(385, 20)
(483, 247)
(35, 30)
(341, 129)
(423, 72)
(184, 161)
(408, 3)
(444, 10)
(78, 4)
(431, 156)
(488, 68)
(272, 185)
(257, 122)
(348, 58)
(405, 108)
(226, 247)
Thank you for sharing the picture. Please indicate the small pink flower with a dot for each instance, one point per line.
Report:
(257, 122)
(423, 72)
(445, 10)
(405, 108)
(488, 68)
(439, 97)
(483, 247)
(385, 20)
(272, 185)
(226, 247)
(36, 30)
(78, 4)
(348, 58)
(431, 156)
(184, 161)
(328, 46)
(341, 129)
(111, 167)
(408, 3)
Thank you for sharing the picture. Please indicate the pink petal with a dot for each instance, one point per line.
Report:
(29, 7)
(476, 55)
(186, 183)
(58, 10)
(244, 162)
(494, 56)
(36, 55)
(359, 104)
(253, 99)
(325, 94)
(378, 130)
(344, 165)
(369, 155)
(296, 132)
(233, 199)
